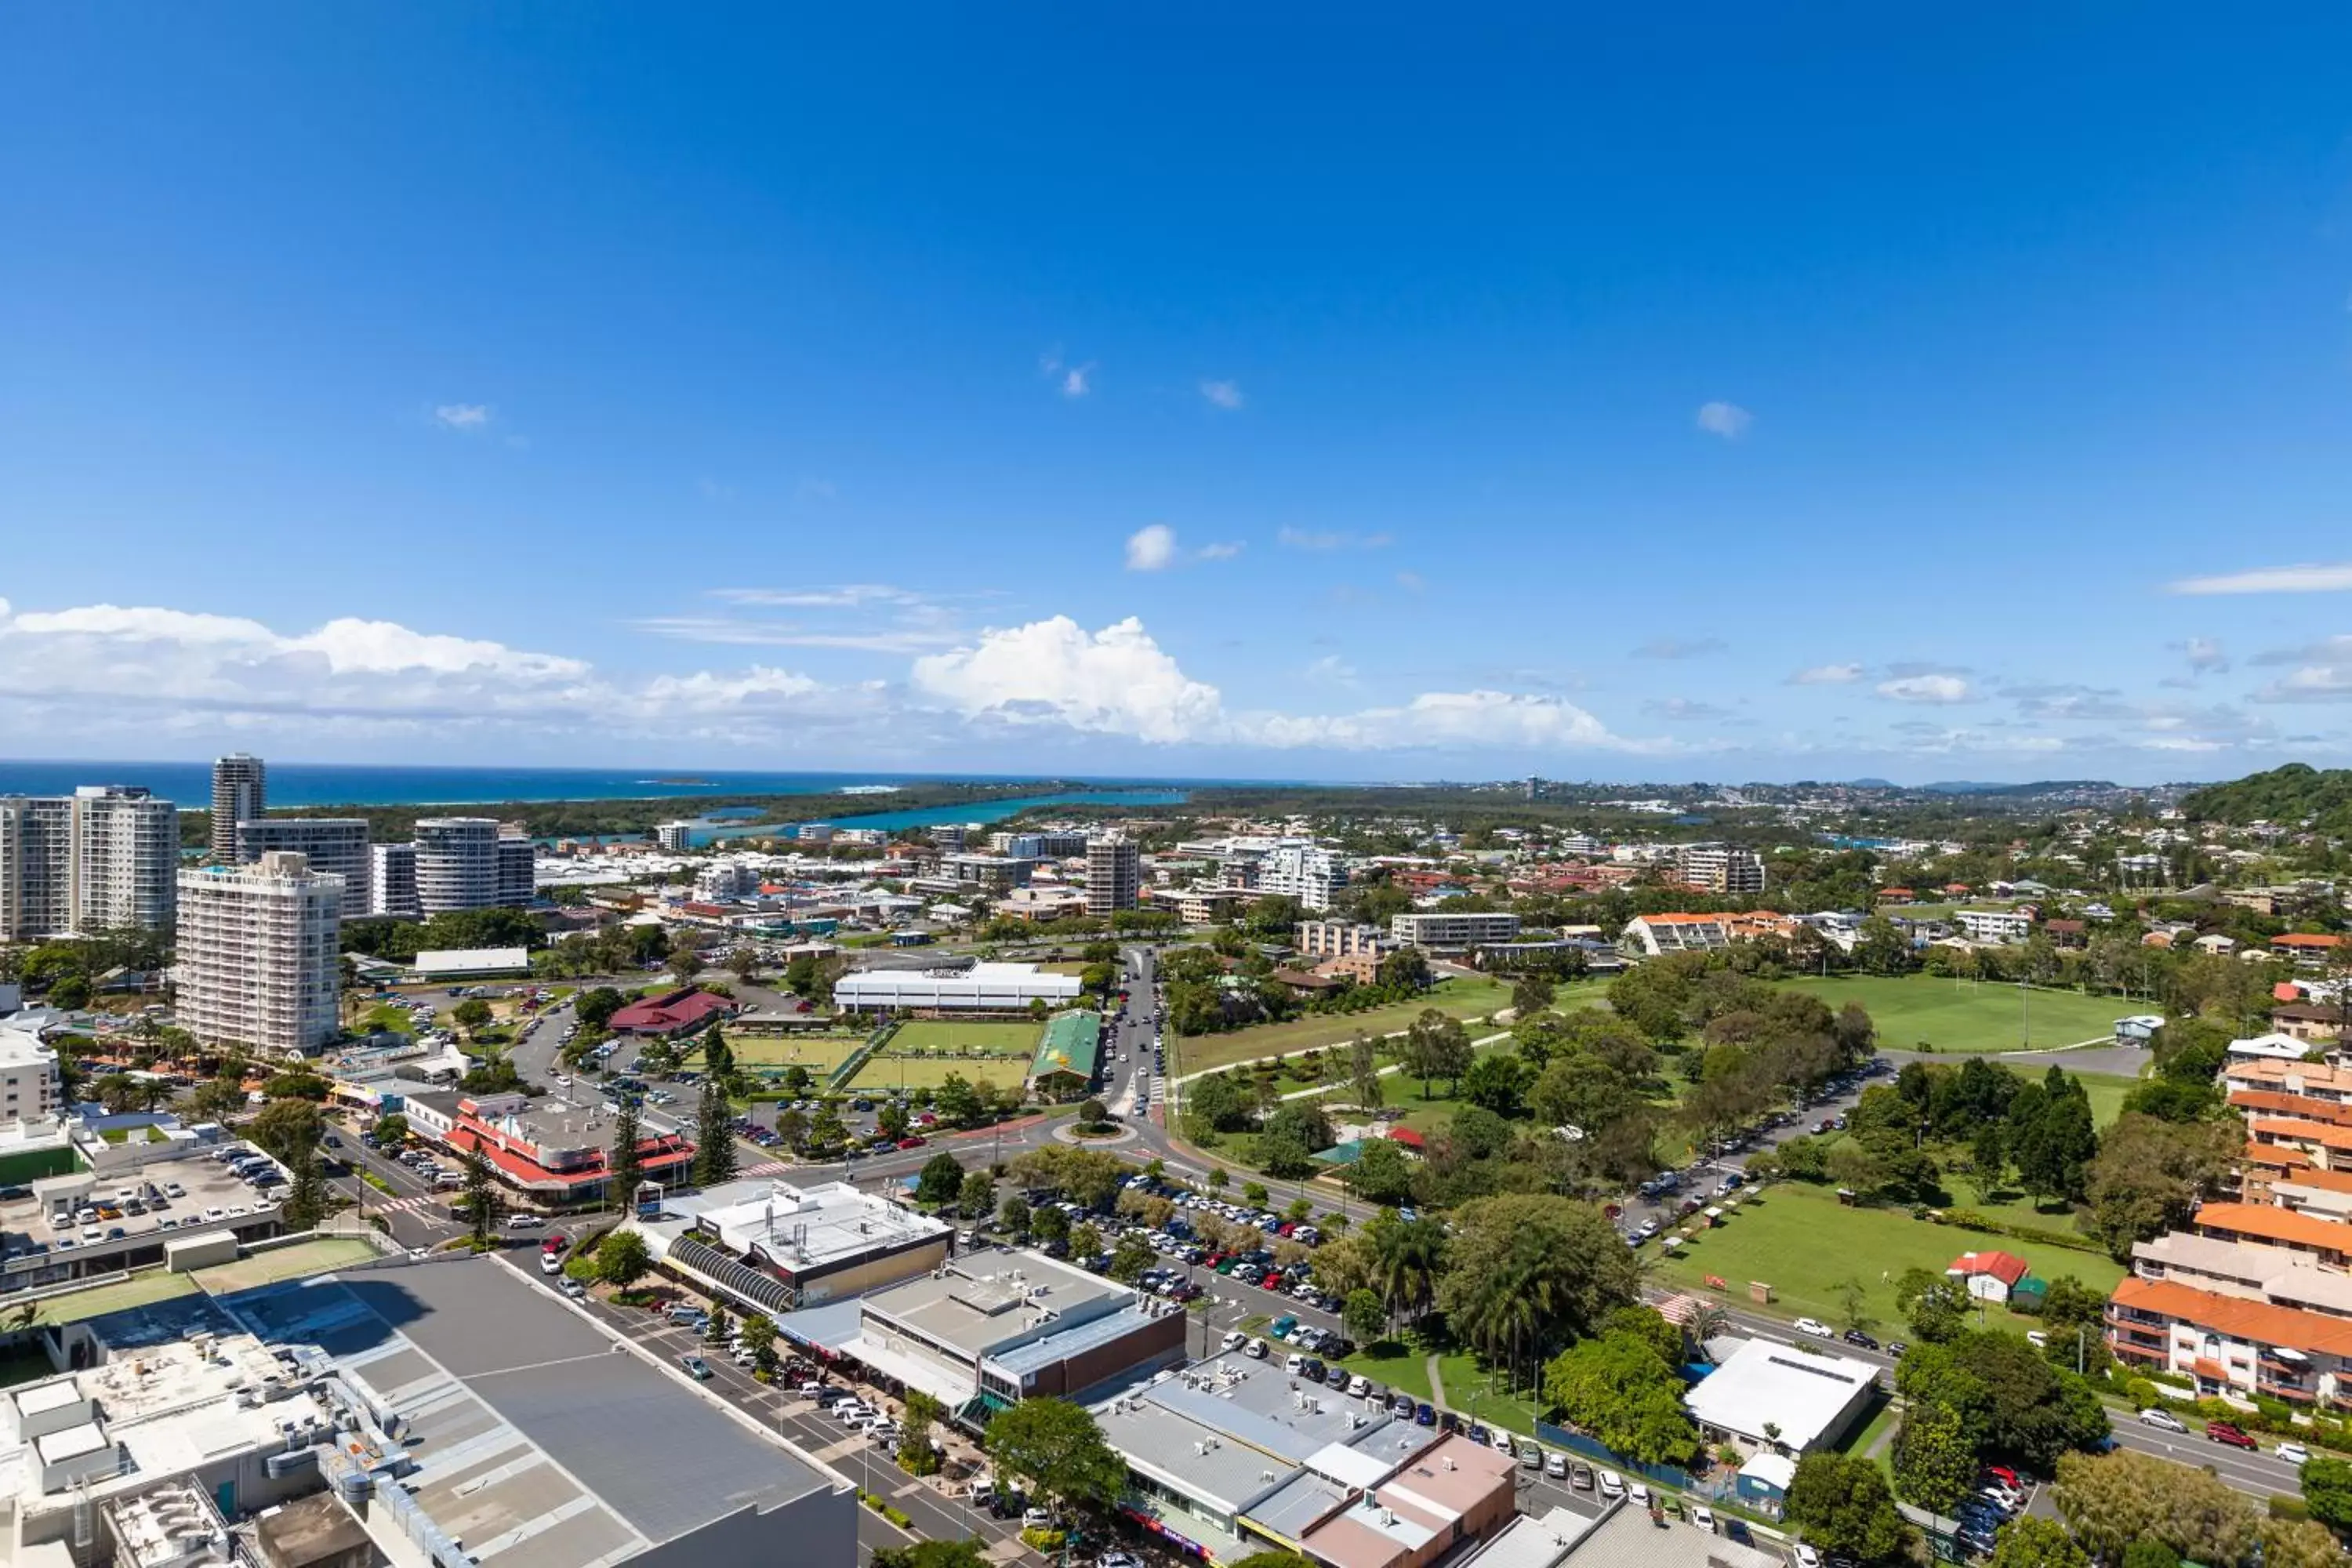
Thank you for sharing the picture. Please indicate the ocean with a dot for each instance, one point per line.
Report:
(341, 784)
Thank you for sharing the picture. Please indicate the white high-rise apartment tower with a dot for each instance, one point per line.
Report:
(126, 858)
(239, 795)
(260, 954)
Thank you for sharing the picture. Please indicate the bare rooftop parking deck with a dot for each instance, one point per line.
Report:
(213, 1197)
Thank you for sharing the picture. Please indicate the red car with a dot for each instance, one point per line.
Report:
(910, 1143)
(2222, 1432)
(2005, 1476)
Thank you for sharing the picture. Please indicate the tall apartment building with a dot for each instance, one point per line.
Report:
(1041, 845)
(518, 868)
(1343, 939)
(1114, 873)
(260, 954)
(1306, 872)
(35, 867)
(239, 795)
(674, 835)
(948, 837)
(392, 881)
(338, 845)
(1719, 868)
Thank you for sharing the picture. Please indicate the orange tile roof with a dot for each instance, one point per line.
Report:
(2319, 1132)
(2257, 1322)
(1684, 919)
(2292, 1106)
(2281, 1154)
(2326, 1180)
(2311, 1075)
(2307, 938)
(2267, 1224)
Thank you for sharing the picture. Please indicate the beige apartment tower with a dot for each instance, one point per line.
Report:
(260, 958)
(240, 794)
(1114, 873)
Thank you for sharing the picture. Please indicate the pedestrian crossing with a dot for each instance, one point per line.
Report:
(420, 1202)
(767, 1168)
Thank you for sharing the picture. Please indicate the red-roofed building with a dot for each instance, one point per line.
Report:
(677, 1013)
(2307, 949)
(549, 1150)
(1406, 1136)
(1988, 1275)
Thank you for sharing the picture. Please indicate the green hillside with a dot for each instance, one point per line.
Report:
(2284, 796)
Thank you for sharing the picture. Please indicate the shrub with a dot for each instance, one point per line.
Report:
(2289, 1508)
(1046, 1541)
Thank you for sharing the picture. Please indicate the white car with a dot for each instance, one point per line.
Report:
(1704, 1516)
(1612, 1485)
(1807, 1557)
(1640, 1493)
(2293, 1453)
(1232, 1339)
(1816, 1327)
(2162, 1420)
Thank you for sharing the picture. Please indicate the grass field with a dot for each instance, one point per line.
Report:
(1802, 1240)
(818, 1053)
(929, 1072)
(290, 1262)
(1964, 1015)
(990, 1039)
(1461, 998)
(2106, 1091)
(1473, 1391)
(139, 1291)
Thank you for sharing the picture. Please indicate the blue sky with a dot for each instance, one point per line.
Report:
(1726, 395)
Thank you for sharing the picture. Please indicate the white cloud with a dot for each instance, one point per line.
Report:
(1827, 675)
(1929, 689)
(2305, 579)
(1727, 420)
(1683, 710)
(1332, 539)
(1223, 393)
(847, 595)
(1076, 381)
(1115, 681)
(1448, 719)
(1152, 547)
(1681, 647)
(1223, 551)
(737, 631)
(1333, 670)
(466, 416)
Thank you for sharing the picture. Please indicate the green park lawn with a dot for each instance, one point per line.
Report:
(986, 1039)
(1459, 998)
(1969, 1016)
(773, 1053)
(1469, 1389)
(2106, 1091)
(930, 1072)
(1806, 1245)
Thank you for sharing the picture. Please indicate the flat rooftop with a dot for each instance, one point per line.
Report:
(216, 1198)
(1805, 1393)
(802, 1228)
(1001, 1298)
(552, 1123)
(538, 1440)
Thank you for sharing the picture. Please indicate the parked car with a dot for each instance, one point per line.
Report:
(1613, 1487)
(1580, 1476)
(1704, 1516)
(695, 1367)
(1556, 1467)
(1816, 1327)
(1857, 1338)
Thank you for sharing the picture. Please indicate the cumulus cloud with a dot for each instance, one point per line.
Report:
(1332, 539)
(1117, 681)
(1225, 394)
(1152, 547)
(1727, 420)
(1931, 689)
(1498, 719)
(466, 416)
(1681, 647)
(1223, 551)
(2303, 579)
(1827, 675)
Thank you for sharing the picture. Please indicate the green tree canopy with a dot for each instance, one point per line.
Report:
(1844, 1505)
(1620, 1389)
(1057, 1449)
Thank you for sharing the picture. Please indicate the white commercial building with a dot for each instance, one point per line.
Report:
(30, 1089)
(1994, 925)
(1810, 1400)
(338, 845)
(674, 835)
(105, 856)
(1439, 929)
(981, 987)
(723, 881)
(260, 954)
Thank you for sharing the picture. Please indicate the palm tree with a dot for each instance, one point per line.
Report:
(1708, 1320)
(1406, 1257)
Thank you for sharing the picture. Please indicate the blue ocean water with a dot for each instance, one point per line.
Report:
(977, 811)
(335, 783)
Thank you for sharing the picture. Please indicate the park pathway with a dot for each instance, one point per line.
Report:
(1436, 1382)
